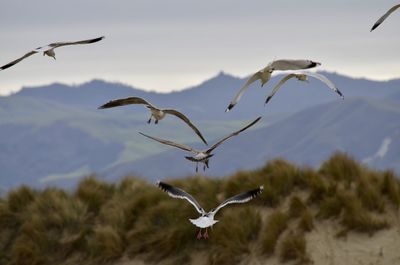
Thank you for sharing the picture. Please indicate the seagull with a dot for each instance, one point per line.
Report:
(380, 20)
(201, 156)
(207, 219)
(49, 50)
(156, 112)
(303, 76)
(265, 75)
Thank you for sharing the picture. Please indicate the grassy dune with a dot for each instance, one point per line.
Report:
(133, 222)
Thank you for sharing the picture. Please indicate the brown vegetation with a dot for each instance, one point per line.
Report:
(103, 222)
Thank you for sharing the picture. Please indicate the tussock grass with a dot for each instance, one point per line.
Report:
(357, 218)
(232, 239)
(296, 207)
(105, 244)
(293, 247)
(390, 187)
(20, 198)
(101, 222)
(368, 190)
(275, 225)
(94, 193)
(306, 222)
(341, 167)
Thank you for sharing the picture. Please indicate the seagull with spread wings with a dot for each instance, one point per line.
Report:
(199, 155)
(156, 113)
(303, 76)
(207, 219)
(49, 50)
(381, 19)
(264, 75)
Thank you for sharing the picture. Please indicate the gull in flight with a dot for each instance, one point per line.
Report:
(265, 75)
(380, 20)
(49, 50)
(207, 219)
(303, 76)
(201, 156)
(156, 113)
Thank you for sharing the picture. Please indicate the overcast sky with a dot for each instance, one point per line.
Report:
(172, 44)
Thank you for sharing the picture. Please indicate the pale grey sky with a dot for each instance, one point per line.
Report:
(172, 44)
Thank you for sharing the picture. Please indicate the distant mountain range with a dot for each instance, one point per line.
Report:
(55, 134)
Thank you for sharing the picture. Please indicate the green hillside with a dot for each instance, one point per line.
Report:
(133, 222)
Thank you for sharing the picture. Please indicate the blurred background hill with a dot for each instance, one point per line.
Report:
(55, 135)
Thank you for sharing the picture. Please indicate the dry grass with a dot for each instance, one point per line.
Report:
(232, 239)
(101, 222)
(275, 225)
(293, 247)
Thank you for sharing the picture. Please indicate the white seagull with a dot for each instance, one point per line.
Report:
(207, 219)
(49, 50)
(156, 112)
(303, 76)
(200, 156)
(380, 20)
(265, 75)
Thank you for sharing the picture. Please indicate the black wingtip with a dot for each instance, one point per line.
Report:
(374, 27)
(229, 107)
(314, 64)
(267, 100)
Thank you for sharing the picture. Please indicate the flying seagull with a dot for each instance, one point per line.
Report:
(207, 219)
(380, 20)
(156, 113)
(49, 50)
(303, 76)
(201, 156)
(265, 75)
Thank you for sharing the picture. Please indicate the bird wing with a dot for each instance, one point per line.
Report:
(380, 20)
(17, 60)
(235, 100)
(180, 194)
(180, 146)
(65, 43)
(187, 121)
(285, 64)
(125, 101)
(276, 88)
(325, 80)
(232, 134)
(240, 198)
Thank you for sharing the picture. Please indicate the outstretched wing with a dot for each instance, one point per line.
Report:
(240, 198)
(325, 80)
(380, 20)
(235, 100)
(65, 43)
(285, 64)
(170, 143)
(276, 88)
(180, 194)
(17, 60)
(125, 101)
(187, 121)
(232, 134)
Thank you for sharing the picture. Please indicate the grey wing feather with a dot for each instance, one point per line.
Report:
(327, 82)
(17, 60)
(236, 99)
(232, 134)
(125, 101)
(59, 44)
(276, 88)
(170, 143)
(286, 64)
(240, 198)
(180, 194)
(187, 121)
(381, 19)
